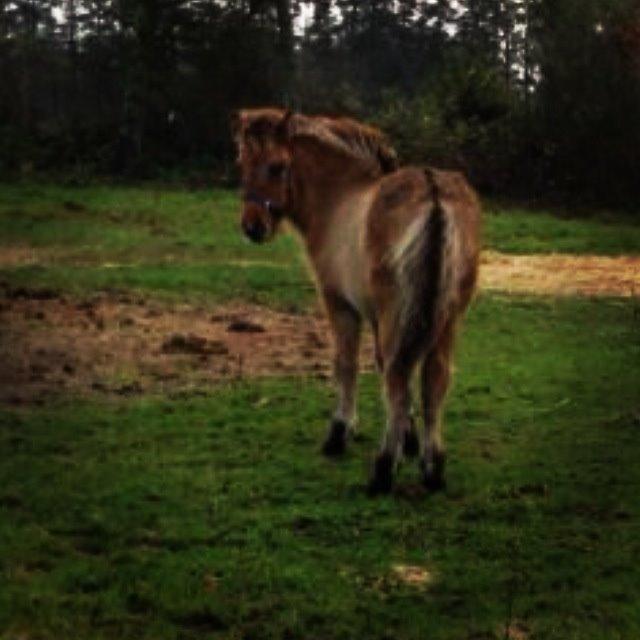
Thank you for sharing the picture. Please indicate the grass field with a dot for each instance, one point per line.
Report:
(188, 243)
(212, 514)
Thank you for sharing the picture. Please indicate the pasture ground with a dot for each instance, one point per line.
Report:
(154, 483)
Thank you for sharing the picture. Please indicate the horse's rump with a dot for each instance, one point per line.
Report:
(422, 231)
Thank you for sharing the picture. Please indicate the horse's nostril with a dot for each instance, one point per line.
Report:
(254, 230)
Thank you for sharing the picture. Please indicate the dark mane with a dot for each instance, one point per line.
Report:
(361, 142)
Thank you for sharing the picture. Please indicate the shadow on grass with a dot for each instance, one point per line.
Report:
(216, 516)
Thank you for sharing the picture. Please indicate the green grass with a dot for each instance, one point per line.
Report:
(169, 242)
(515, 230)
(216, 516)
(213, 515)
(180, 243)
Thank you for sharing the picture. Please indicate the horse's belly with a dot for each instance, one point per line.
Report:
(354, 292)
(349, 272)
(345, 253)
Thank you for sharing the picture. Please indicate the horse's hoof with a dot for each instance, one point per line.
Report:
(336, 442)
(411, 446)
(382, 479)
(433, 474)
(434, 483)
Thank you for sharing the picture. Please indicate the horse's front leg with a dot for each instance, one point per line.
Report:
(345, 323)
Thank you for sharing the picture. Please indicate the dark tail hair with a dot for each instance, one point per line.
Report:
(428, 275)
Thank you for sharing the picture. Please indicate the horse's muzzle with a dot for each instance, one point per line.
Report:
(255, 230)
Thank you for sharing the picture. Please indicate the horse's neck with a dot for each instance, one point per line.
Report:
(321, 190)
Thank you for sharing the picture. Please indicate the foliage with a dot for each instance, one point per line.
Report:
(529, 97)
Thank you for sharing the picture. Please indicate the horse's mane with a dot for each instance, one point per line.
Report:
(361, 142)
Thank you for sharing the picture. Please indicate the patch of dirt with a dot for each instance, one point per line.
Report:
(124, 345)
(516, 630)
(19, 256)
(127, 345)
(412, 575)
(553, 274)
(560, 274)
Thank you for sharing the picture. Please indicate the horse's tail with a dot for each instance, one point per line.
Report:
(428, 272)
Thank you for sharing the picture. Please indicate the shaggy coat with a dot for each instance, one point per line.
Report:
(396, 247)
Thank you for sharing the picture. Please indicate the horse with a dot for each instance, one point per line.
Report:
(397, 248)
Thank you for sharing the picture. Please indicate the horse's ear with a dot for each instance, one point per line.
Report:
(283, 128)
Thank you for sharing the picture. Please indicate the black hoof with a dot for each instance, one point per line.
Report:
(411, 446)
(433, 474)
(382, 479)
(336, 442)
(434, 483)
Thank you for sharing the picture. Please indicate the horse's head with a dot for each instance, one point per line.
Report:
(265, 164)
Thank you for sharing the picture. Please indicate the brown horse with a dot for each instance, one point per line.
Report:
(395, 247)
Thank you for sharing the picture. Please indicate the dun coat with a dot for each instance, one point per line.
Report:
(395, 247)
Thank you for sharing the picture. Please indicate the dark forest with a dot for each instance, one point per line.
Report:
(533, 99)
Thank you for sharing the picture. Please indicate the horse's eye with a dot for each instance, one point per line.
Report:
(276, 170)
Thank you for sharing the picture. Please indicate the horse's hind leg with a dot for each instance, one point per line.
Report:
(346, 329)
(411, 445)
(397, 377)
(435, 375)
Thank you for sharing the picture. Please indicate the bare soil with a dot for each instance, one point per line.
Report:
(561, 274)
(126, 345)
(123, 345)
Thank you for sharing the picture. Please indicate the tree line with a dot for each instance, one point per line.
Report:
(533, 98)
